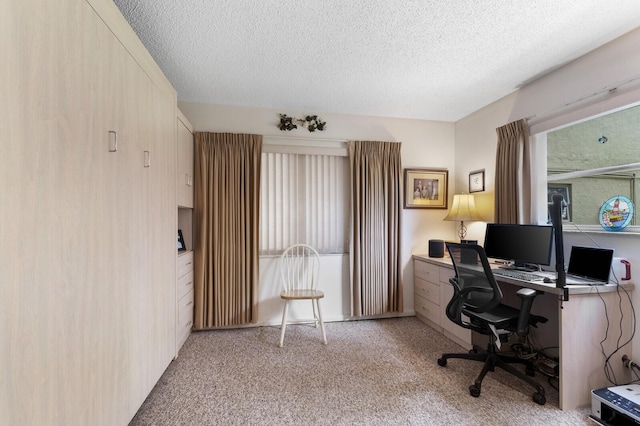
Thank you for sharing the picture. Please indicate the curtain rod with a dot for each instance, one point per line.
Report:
(592, 172)
(305, 138)
(607, 89)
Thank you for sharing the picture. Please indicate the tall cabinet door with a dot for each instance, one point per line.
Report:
(154, 292)
(185, 165)
(87, 233)
(61, 299)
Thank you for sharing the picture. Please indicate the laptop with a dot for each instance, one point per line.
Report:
(589, 265)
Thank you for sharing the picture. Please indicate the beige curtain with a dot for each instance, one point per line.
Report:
(513, 174)
(376, 283)
(226, 215)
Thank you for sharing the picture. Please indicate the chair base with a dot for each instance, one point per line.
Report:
(491, 360)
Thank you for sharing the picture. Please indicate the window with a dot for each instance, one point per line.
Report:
(304, 199)
(594, 160)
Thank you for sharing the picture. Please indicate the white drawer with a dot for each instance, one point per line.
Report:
(429, 291)
(427, 309)
(185, 316)
(445, 274)
(426, 271)
(185, 284)
(185, 263)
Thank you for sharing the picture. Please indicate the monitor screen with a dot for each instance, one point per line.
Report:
(521, 244)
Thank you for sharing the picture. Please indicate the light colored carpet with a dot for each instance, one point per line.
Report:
(374, 372)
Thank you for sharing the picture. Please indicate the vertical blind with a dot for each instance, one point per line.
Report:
(304, 199)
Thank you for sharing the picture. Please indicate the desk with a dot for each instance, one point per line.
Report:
(576, 326)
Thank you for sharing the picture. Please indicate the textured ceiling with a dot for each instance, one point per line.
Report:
(431, 59)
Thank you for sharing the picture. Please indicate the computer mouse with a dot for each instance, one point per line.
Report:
(547, 280)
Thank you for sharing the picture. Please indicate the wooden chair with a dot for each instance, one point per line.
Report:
(299, 266)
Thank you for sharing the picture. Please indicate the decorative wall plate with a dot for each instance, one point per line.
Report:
(616, 213)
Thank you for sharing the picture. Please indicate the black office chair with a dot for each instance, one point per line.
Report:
(477, 296)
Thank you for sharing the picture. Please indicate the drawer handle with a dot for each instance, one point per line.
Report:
(113, 141)
(189, 283)
(190, 322)
(190, 303)
(187, 264)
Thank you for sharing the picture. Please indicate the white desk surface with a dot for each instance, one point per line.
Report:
(538, 284)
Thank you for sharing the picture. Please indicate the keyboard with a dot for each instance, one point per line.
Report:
(518, 275)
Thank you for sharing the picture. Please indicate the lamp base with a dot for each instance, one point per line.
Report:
(462, 231)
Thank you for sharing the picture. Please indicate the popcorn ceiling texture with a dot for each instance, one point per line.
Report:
(436, 60)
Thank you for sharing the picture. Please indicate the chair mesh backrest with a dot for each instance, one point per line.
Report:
(473, 270)
(299, 266)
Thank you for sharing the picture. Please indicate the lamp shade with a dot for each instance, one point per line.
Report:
(463, 208)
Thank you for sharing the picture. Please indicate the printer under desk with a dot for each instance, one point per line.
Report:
(619, 405)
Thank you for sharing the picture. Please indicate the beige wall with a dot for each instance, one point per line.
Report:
(607, 67)
(424, 144)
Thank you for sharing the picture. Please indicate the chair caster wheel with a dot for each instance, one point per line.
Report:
(474, 391)
(473, 351)
(539, 398)
(442, 362)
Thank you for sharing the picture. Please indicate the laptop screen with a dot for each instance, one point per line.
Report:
(590, 262)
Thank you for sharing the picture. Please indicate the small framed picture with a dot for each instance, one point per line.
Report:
(563, 189)
(476, 181)
(425, 188)
(181, 245)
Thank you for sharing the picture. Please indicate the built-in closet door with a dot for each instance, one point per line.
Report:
(152, 289)
(61, 294)
(87, 233)
(185, 165)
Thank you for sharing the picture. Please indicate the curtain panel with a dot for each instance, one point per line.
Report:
(226, 224)
(513, 174)
(376, 205)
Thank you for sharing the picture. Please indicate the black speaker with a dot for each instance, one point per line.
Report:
(436, 248)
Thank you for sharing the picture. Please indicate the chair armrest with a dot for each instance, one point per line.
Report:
(526, 301)
(456, 304)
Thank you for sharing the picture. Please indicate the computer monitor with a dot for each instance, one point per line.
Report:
(521, 244)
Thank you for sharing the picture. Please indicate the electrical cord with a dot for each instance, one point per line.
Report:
(608, 369)
(635, 369)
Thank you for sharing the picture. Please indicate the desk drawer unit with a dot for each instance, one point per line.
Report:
(185, 317)
(426, 271)
(427, 309)
(185, 263)
(427, 291)
(184, 294)
(185, 284)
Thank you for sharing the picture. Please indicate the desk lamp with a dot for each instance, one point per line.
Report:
(463, 208)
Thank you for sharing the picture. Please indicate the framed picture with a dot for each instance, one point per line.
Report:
(563, 189)
(476, 181)
(425, 188)
(181, 245)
